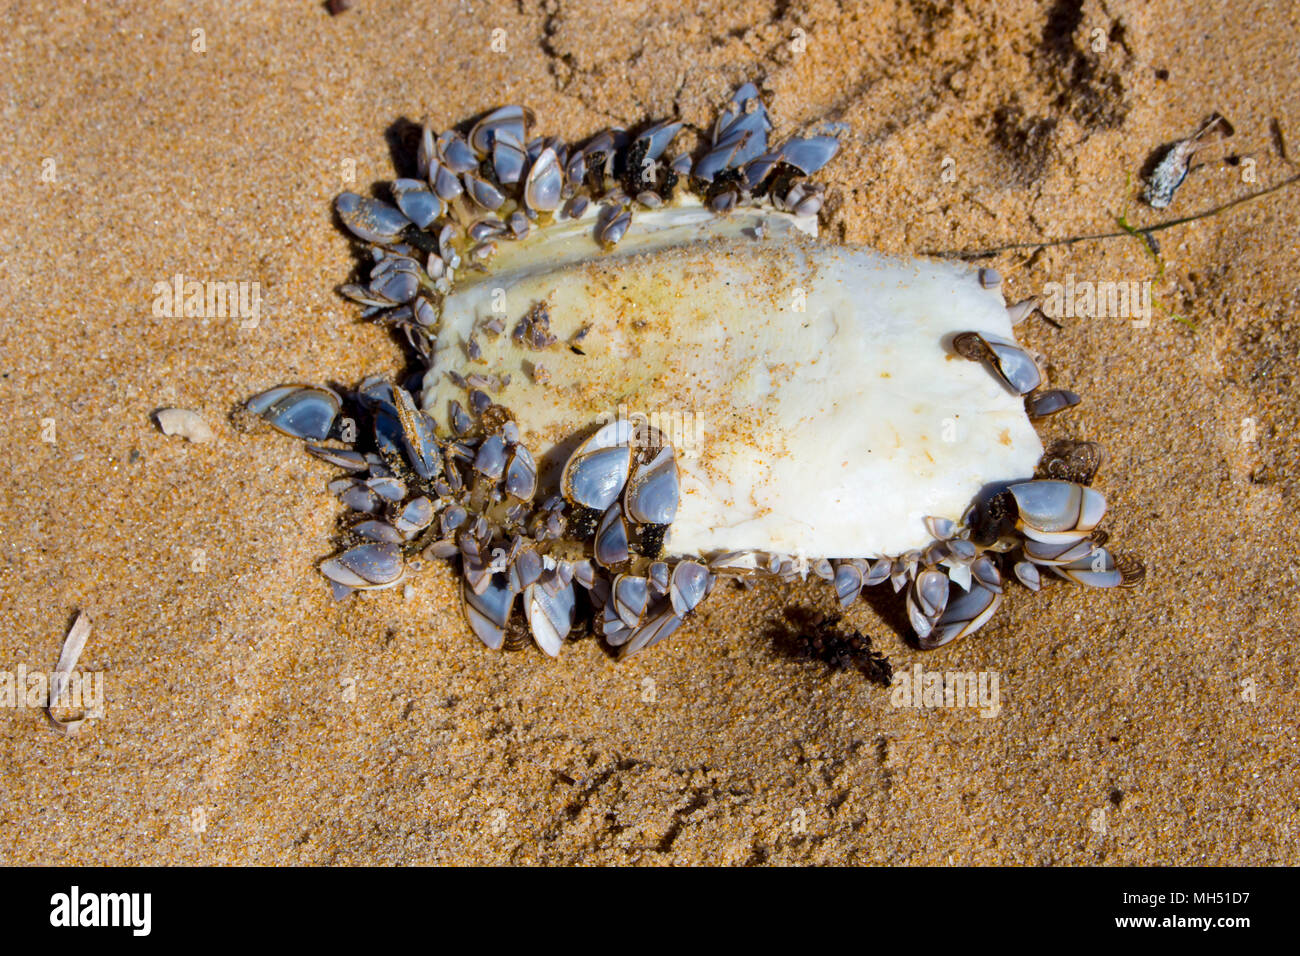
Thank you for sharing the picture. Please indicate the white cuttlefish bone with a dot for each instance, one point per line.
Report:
(818, 406)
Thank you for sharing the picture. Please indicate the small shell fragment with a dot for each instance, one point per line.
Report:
(73, 645)
(1175, 164)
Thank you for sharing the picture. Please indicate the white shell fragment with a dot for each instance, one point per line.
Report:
(73, 645)
(820, 406)
(185, 423)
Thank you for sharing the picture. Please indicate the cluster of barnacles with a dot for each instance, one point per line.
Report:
(494, 184)
(1046, 524)
(474, 497)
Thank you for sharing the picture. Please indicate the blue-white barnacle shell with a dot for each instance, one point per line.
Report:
(553, 143)
(611, 545)
(736, 108)
(631, 598)
(926, 601)
(507, 162)
(453, 518)
(380, 532)
(877, 573)
(415, 516)
(301, 411)
(525, 570)
(550, 615)
(490, 460)
(1050, 402)
(363, 295)
(984, 572)
(521, 474)
(690, 584)
(374, 390)
(575, 207)
(658, 137)
(575, 168)
(395, 278)
(653, 490)
(1027, 573)
(483, 229)
(483, 192)
(361, 497)
(446, 183)
(508, 124)
(460, 421)
(262, 401)
(614, 226)
(810, 154)
(424, 313)
(966, 613)
(455, 154)
(595, 474)
(388, 488)
(377, 396)
(1048, 553)
(724, 201)
(615, 632)
(372, 565)
(730, 151)
(417, 202)
(387, 429)
(1013, 364)
(342, 457)
(659, 577)
(1096, 569)
(661, 625)
(750, 132)
(418, 437)
(488, 611)
(940, 528)
(544, 183)
(848, 582)
(425, 153)
(600, 147)
(1057, 511)
(370, 219)
(757, 169)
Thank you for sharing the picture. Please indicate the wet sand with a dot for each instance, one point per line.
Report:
(250, 719)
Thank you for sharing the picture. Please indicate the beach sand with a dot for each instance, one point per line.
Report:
(248, 718)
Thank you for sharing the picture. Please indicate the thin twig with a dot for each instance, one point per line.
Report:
(1135, 231)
